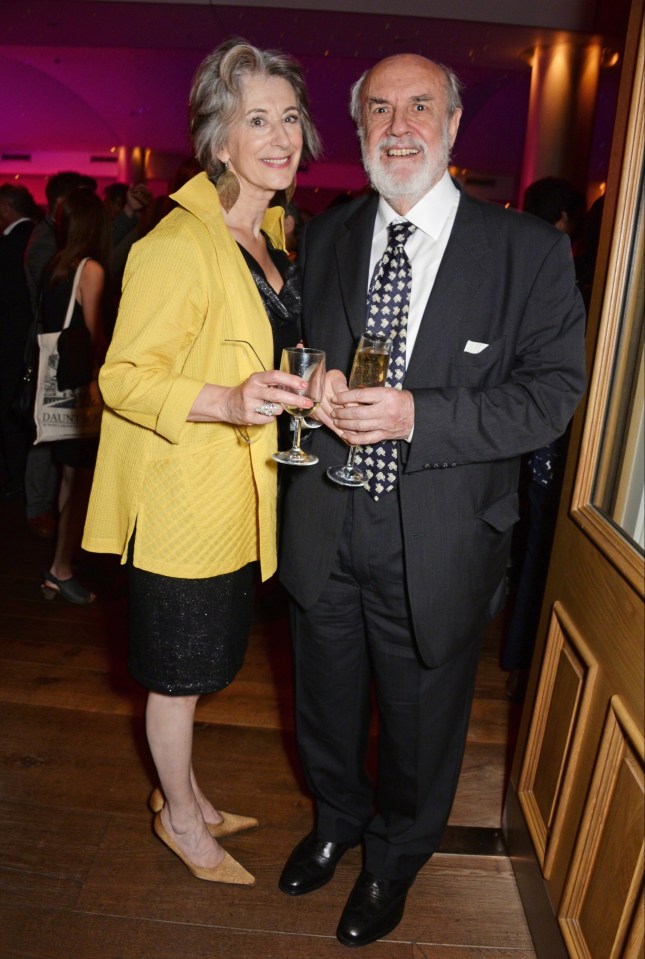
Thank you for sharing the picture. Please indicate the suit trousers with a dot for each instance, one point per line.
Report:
(356, 640)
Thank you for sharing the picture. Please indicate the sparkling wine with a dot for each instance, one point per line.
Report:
(296, 411)
(369, 368)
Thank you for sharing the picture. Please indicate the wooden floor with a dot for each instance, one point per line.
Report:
(83, 877)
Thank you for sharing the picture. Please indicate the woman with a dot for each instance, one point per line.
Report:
(185, 487)
(83, 231)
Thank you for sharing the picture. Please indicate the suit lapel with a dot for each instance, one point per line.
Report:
(353, 251)
(455, 289)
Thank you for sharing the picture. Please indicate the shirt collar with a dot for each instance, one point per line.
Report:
(429, 214)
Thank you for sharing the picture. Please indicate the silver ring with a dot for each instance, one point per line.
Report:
(268, 409)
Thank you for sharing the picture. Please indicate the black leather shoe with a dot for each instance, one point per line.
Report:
(311, 864)
(374, 908)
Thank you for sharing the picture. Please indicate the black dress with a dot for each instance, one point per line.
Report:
(188, 637)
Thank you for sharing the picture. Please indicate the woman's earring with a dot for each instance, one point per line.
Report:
(228, 188)
(291, 189)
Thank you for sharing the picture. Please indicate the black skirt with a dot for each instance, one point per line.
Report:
(188, 637)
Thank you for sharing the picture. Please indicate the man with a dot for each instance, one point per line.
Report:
(125, 205)
(395, 585)
(558, 202)
(17, 212)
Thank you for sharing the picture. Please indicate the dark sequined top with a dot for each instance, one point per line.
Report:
(283, 308)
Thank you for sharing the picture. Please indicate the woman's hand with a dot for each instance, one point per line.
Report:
(241, 405)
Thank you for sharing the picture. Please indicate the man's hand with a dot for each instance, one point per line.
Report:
(367, 416)
(335, 382)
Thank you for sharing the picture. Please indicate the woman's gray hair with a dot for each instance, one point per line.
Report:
(217, 94)
(453, 84)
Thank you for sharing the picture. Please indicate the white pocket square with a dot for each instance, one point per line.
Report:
(473, 347)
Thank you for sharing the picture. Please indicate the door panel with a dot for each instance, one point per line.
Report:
(605, 879)
(557, 732)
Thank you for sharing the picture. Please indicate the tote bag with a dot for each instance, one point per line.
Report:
(63, 414)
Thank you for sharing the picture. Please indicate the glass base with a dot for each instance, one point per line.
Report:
(346, 475)
(295, 457)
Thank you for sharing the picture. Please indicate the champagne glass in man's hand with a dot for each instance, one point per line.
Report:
(369, 368)
(309, 365)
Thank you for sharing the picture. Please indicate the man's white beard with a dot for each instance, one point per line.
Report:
(413, 187)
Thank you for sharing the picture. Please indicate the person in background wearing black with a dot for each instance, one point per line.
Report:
(18, 212)
(82, 225)
(562, 205)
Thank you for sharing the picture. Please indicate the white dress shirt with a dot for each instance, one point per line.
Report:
(433, 216)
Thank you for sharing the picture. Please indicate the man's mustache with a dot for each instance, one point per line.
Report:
(401, 143)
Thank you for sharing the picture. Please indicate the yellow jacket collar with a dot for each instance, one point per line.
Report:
(199, 197)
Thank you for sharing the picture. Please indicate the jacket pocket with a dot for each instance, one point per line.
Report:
(503, 513)
(484, 358)
(480, 369)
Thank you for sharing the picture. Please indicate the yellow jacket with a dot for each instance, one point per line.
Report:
(203, 501)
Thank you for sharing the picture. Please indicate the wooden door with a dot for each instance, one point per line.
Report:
(574, 811)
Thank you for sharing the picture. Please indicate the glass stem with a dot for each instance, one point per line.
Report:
(350, 457)
(296, 435)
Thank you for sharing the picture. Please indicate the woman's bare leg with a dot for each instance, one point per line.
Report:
(210, 814)
(169, 726)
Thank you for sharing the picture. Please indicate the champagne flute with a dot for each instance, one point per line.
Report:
(309, 365)
(369, 368)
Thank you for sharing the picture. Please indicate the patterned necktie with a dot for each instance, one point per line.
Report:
(388, 302)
